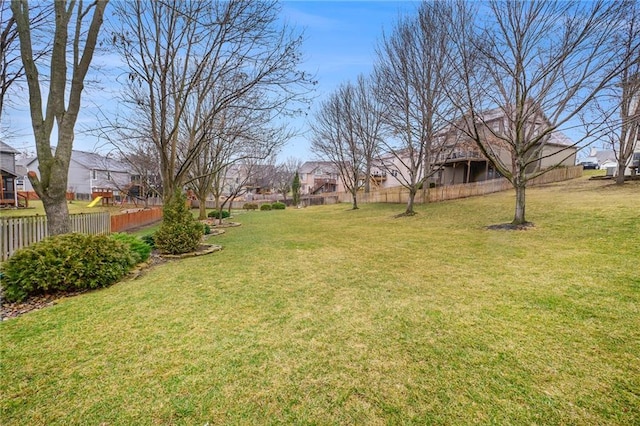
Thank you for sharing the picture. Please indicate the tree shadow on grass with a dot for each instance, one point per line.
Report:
(511, 226)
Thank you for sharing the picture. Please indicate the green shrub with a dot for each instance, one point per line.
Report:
(149, 239)
(207, 229)
(265, 207)
(216, 214)
(179, 232)
(139, 248)
(278, 206)
(68, 262)
(250, 206)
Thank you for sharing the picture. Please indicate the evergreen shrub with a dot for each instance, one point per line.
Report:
(149, 239)
(278, 206)
(179, 232)
(139, 248)
(265, 207)
(68, 262)
(250, 206)
(216, 214)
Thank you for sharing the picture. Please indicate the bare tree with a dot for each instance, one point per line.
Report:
(537, 65)
(179, 52)
(282, 175)
(70, 17)
(368, 112)
(335, 138)
(415, 78)
(623, 126)
(11, 67)
(236, 134)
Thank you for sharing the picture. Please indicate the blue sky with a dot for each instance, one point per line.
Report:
(340, 39)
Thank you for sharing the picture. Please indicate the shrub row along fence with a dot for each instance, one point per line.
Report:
(19, 232)
(452, 192)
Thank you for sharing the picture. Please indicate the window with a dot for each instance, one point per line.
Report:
(394, 173)
(93, 174)
(108, 175)
(318, 172)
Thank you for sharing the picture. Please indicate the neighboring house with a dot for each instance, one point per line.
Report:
(247, 179)
(606, 160)
(8, 191)
(465, 163)
(317, 177)
(387, 170)
(89, 173)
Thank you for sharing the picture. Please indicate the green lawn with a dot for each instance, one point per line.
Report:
(36, 208)
(329, 316)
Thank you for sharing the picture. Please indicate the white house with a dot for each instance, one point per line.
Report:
(88, 171)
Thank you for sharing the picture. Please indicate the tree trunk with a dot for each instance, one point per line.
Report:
(203, 208)
(57, 213)
(412, 195)
(355, 200)
(519, 217)
(621, 168)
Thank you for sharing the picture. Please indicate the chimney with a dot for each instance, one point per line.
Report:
(593, 152)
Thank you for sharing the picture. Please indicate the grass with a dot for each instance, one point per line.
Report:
(36, 208)
(329, 316)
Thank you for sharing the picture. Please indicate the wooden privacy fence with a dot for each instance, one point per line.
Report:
(19, 232)
(400, 194)
(134, 219)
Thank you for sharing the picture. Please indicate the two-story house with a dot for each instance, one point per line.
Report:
(317, 177)
(463, 162)
(89, 173)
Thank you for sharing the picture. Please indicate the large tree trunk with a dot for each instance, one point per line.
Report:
(519, 217)
(202, 212)
(412, 196)
(57, 215)
(621, 168)
(354, 196)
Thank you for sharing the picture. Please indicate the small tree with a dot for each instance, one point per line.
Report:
(179, 232)
(295, 189)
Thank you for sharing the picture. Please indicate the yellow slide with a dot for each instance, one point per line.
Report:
(94, 202)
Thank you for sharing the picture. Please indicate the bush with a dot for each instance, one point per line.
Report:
(179, 232)
(207, 229)
(149, 240)
(140, 249)
(265, 207)
(216, 214)
(250, 206)
(68, 262)
(278, 206)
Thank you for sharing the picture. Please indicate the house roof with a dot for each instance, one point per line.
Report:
(605, 155)
(6, 148)
(21, 170)
(559, 138)
(94, 161)
(89, 160)
(7, 172)
(311, 166)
